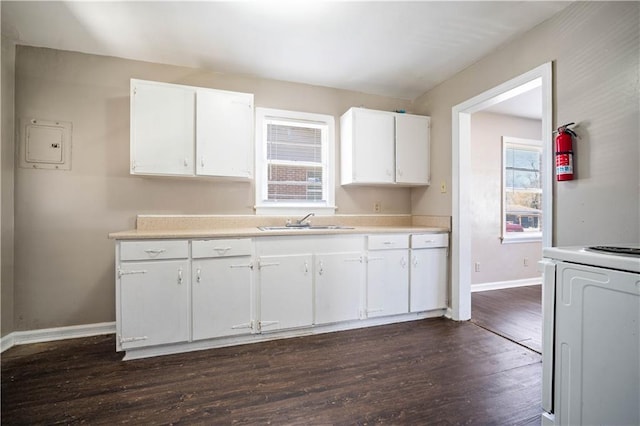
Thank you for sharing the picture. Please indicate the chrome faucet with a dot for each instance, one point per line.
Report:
(301, 222)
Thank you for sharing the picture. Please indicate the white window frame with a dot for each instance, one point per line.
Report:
(327, 123)
(517, 237)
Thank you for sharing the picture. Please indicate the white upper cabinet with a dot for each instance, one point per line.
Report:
(367, 146)
(224, 133)
(190, 131)
(384, 148)
(412, 149)
(162, 128)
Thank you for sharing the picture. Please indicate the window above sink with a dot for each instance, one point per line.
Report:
(294, 162)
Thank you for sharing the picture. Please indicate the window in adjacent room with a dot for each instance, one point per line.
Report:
(294, 162)
(521, 190)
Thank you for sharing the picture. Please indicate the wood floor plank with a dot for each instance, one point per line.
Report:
(515, 313)
(432, 371)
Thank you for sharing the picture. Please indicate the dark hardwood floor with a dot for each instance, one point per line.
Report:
(433, 371)
(515, 313)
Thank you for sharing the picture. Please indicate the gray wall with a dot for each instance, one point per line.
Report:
(64, 263)
(595, 48)
(498, 262)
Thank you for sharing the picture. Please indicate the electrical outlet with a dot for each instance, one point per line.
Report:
(443, 186)
(477, 266)
(377, 206)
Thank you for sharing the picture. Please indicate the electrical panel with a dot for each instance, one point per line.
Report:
(45, 144)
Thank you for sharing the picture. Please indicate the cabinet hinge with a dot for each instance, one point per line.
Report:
(262, 324)
(132, 272)
(132, 339)
(239, 326)
(265, 264)
(248, 265)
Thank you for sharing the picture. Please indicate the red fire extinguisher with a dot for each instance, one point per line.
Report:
(564, 152)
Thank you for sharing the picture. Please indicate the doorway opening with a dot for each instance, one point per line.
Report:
(461, 176)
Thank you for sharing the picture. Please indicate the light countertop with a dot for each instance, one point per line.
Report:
(227, 226)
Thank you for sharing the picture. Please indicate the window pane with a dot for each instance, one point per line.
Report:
(522, 169)
(523, 211)
(525, 159)
(294, 143)
(287, 182)
(509, 158)
(525, 180)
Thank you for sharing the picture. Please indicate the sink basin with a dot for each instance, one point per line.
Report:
(298, 228)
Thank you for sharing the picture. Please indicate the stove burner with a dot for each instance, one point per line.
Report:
(627, 251)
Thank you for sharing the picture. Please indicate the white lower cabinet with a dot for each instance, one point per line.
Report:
(153, 298)
(174, 295)
(429, 276)
(221, 286)
(387, 275)
(339, 280)
(221, 297)
(309, 280)
(285, 292)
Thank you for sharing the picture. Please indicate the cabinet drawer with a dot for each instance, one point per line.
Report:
(221, 248)
(154, 250)
(429, 240)
(388, 241)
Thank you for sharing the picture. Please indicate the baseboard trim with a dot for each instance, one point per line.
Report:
(6, 342)
(56, 333)
(506, 284)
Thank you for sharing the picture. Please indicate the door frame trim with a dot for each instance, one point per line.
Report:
(461, 176)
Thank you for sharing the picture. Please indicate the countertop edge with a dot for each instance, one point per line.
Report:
(255, 232)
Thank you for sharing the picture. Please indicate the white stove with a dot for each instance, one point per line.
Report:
(623, 257)
(591, 335)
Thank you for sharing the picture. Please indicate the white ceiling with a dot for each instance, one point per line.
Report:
(526, 105)
(396, 49)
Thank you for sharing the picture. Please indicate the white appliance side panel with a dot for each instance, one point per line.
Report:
(597, 346)
(548, 269)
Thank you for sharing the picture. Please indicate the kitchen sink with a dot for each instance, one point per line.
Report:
(298, 228)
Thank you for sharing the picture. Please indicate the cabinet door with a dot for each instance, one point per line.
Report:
(387, 282)
(224, 134)
(373, 146)
(286, 292)
(339, 283)
(221, 297)
(162, 128)
(428, 279)
(154, 303)
(412, 149)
